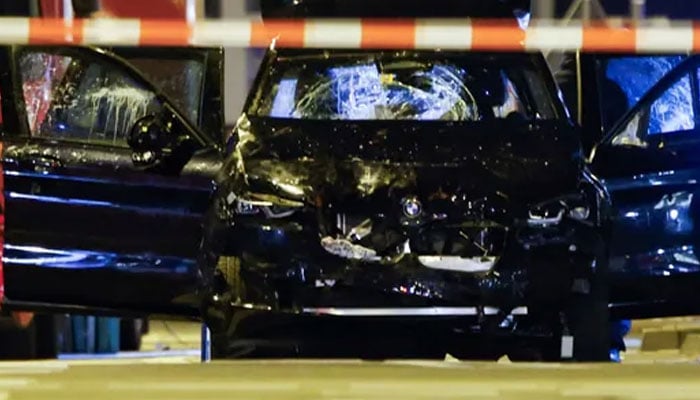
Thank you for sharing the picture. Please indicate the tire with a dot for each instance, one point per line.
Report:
(230, 270)
(588, 319)
(588, 338)
(130, 334)
(582, 335)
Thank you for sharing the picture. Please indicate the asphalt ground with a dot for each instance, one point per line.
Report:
(170, 369)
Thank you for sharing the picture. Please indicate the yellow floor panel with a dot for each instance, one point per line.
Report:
(174, 335)
(347, 380)
(667, 374)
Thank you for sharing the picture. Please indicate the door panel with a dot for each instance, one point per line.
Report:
(112, 207)
(650, 164)
(85, 226)
(654, 211)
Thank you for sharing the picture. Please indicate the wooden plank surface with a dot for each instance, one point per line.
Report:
(668, 374)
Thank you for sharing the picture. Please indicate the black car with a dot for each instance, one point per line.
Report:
(440, 191)
(412, 204)
(369, 203)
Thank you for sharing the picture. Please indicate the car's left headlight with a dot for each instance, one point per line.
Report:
(268, 206)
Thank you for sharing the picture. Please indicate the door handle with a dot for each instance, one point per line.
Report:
(41, 163)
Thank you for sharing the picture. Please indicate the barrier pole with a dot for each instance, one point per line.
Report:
(68, 17)
(191, 11)
(637, 8)
(586, 11)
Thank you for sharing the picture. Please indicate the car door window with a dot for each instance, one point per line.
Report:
(671, 112)
(182, 80)
(89, 100)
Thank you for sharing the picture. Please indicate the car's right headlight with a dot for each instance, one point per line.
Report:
(552, 212)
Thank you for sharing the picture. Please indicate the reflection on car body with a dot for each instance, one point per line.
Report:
(427, 180)
(420, 201)
(452, 210)
(82, 213)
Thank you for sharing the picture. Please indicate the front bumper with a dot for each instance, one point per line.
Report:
(282, 267)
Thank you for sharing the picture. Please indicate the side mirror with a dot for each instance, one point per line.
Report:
(149, 139)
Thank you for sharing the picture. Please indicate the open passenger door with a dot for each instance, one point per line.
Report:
(650, 164)
(107, 172)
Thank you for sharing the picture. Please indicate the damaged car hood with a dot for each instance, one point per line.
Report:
(357, 160)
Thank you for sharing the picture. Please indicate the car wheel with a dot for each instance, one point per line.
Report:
(130, 333)
(588, 319)
(579, 332)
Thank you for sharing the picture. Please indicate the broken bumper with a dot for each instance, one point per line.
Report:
(283, 267)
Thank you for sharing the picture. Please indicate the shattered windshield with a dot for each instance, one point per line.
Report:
(460, 88)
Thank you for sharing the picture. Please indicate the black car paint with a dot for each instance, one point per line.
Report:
(147, 263)
(488, 188)
(478, 178)
(82, 214)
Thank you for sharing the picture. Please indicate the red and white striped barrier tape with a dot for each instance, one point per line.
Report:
(449, 34)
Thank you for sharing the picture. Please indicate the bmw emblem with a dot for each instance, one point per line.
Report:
(412, 207)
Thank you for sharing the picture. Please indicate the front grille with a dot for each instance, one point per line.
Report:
(452, 225)
(388, 236)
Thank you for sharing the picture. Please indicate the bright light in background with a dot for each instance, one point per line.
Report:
(523, 19)
(673, 214)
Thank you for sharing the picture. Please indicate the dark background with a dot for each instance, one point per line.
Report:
(14, 7)
(84, 7)
(677, 9)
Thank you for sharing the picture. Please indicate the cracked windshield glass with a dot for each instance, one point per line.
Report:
(402, 88)
(84, 100)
